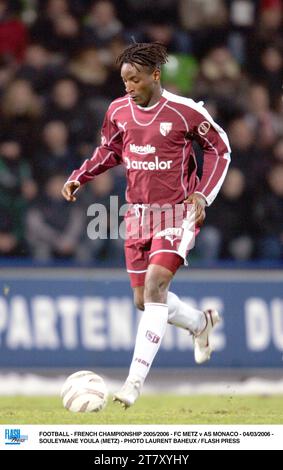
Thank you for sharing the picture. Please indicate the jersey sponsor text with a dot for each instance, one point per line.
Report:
(142, 149)
(151, 166)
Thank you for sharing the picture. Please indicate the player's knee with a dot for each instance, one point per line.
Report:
(157, 281)
(155, 288)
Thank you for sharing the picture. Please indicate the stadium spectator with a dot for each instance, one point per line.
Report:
(100, 251)
(135, 10)
(65, 104)
(13, 34)
(267, 31)
(220, 78)
(102, 24)
(264, 121)
(206, 23)
(21, 114)
(40, 68)
(55, 154)
(268, 211)
(90, 73)
(7, 73)
(278, 150)
(270, 71)
(42, 31)
(17, 189)
(229, 237)
(54, 228)
(247, 156)
(219, 73)
(165, 32)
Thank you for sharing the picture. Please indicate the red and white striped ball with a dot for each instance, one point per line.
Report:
(84, 391)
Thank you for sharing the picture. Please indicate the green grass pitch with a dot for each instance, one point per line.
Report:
(150, 409)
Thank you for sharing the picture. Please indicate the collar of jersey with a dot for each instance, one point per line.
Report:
(150, 108)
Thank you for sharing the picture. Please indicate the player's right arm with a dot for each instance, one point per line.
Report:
(69, 189)
(106, 156)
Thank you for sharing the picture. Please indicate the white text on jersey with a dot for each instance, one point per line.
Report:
(151, 166)
(142, 149)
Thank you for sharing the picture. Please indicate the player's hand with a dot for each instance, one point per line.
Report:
(69, 189)
(199, 203)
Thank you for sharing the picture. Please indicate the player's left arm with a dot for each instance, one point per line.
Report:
(199, 203)
(216, 153)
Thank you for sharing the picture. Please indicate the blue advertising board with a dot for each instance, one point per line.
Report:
(87, 319)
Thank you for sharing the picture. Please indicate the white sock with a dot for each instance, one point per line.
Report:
(151, 330)
(184, 316)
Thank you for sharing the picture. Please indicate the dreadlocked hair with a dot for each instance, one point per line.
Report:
(151, 54)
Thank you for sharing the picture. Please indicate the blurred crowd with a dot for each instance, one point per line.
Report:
(57, 78)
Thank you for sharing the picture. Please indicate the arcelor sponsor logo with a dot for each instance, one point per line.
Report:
(142, 149)
(151, 166)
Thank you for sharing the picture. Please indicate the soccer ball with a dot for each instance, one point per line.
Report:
(84, 391)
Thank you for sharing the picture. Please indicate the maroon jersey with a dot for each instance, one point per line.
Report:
(155, 145)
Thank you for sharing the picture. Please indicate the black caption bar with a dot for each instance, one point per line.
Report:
(124, 459)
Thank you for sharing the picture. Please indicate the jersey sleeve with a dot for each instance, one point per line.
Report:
(216, 152)
(106, 156)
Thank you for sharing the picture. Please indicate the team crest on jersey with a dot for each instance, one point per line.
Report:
(165, 128)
